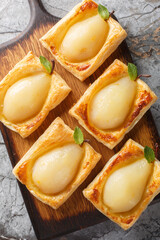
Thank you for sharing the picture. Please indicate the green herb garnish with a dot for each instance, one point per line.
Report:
(46, 64)
(149, 154)
(78, 136)
(103, 12)
(132, 71)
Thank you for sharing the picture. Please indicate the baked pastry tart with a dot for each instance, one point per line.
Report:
(28, 93)
(55, 165)
(82, 40)
(113, 104)
(125, 186)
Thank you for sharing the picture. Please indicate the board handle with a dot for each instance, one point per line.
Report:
(37, 9)
(38, 15)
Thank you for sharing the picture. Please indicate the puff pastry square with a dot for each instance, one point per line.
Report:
(25, 113)
(124, 105)
(40, 185)
(131, 155)
(82, 40)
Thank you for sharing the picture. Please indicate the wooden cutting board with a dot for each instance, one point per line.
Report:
(77, 212)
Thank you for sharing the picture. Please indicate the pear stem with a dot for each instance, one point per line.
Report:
(156, 149)
(143, 75)
(111, 13)
(53, 65)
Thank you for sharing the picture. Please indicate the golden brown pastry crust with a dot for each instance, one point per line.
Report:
(59, 90)
(143, 101)
(84, 69)
(56, 135)
(131, 151)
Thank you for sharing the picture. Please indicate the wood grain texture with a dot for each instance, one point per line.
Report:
(77, 212)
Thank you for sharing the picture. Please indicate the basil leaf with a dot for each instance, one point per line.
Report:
(103, 12)
(149, 154)
(78, 136)
(46, 64)
(132, 71)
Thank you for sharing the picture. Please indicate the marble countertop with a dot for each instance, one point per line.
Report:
(141, 19)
